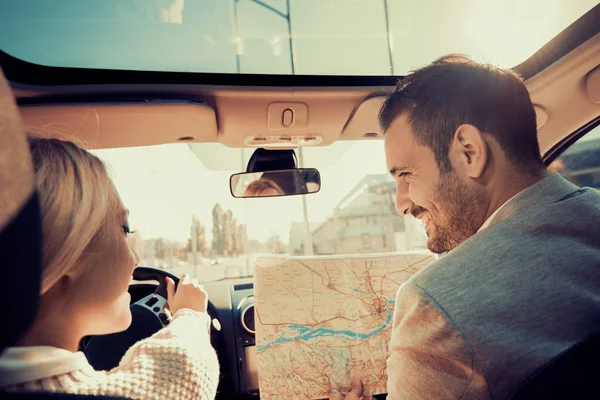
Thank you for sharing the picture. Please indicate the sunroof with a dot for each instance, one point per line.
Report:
(302, 37)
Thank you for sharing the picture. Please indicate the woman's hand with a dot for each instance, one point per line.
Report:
(189, 294)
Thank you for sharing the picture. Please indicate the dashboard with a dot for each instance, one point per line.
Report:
(232, 304)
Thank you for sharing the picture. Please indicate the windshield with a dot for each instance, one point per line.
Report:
(308, 37)
(187, 221)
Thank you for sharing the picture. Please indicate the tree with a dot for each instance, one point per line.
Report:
(196, 243)
(218, 240)
(235, 240)
(159, 249)
(228, 231)
(242, 239)
(202, 240)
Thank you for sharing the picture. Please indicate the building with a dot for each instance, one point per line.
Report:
(365, 221)
(298, 236)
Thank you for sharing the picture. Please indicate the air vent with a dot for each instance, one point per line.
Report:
(247, 319)
(243, 286)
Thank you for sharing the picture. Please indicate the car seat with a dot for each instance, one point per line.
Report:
(20, 235)
(571, 375)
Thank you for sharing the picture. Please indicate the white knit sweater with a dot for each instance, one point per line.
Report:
(177, 362)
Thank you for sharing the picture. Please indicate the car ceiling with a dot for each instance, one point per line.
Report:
(107, 109)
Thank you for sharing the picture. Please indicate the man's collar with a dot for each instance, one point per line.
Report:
(491, 217)
(550, 189)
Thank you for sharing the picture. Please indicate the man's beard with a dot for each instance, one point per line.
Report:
(462, 214)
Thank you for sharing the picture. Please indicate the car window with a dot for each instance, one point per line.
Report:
(580, 162)
(187, 221)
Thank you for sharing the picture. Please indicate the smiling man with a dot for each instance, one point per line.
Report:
(520, 282)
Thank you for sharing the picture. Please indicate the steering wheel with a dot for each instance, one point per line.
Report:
(147, 317)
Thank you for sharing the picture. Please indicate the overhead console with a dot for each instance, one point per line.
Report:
(299, 117)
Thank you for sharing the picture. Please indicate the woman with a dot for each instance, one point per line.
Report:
(87, 267)
(263, 187)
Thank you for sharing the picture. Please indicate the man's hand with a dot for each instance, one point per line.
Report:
(355, 393)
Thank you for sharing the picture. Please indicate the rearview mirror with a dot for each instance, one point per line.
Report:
(275, 183)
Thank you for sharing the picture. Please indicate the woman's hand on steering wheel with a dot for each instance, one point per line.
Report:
(188, 294)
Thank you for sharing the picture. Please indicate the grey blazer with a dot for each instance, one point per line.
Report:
(483, 318)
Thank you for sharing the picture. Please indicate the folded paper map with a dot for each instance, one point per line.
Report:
(323, 321)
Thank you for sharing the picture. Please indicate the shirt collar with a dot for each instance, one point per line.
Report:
(491, 217)
(551, 188)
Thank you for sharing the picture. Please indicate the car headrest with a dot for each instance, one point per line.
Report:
(20, 223)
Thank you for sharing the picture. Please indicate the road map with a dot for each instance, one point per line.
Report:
(326, 320)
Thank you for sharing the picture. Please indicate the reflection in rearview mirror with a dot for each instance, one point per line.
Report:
(275, 183)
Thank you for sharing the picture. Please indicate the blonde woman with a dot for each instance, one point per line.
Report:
(87, 267)
(263, 187)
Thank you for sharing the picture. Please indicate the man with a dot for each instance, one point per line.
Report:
(520, 282)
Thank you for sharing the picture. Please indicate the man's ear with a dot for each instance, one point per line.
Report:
(470, 150)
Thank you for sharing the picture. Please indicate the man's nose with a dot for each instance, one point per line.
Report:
(403, 203)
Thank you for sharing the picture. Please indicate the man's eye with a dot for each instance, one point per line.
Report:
(403, 174)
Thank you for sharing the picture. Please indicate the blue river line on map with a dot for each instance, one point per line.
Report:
(305, 333)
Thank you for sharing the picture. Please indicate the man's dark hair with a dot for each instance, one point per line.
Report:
(456, 90)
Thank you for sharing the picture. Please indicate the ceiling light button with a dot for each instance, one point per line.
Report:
(287, 118)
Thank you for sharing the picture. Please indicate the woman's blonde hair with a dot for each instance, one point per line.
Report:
(76, 196)
(257, 187)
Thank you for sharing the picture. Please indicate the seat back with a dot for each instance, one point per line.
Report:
(572, 375)
(20, 235)
(20, 224)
